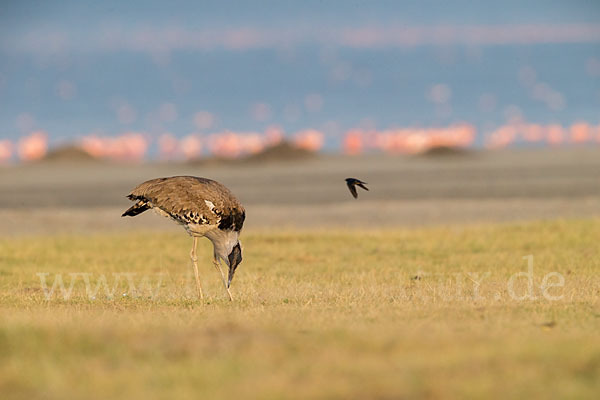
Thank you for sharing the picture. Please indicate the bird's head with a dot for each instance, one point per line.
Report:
(233, 260)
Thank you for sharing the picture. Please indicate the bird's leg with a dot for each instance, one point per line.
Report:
(218, 267)
(195, 265)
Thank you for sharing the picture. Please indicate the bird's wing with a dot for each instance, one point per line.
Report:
(193, 200)
(352, 189)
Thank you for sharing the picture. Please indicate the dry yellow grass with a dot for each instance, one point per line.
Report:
(424, 313)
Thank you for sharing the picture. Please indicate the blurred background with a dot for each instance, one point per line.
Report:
(428, 101)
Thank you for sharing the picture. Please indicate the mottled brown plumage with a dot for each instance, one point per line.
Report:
(204, 208)
(188, 199)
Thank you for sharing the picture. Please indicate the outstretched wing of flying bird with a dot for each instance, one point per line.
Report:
(352, 183)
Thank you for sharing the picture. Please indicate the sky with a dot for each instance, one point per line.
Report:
(77, 68)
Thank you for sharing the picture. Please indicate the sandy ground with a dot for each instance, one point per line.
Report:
(61, 197)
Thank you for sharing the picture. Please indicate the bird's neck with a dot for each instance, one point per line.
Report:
(223, 242)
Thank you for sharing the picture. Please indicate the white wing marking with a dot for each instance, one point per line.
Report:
(209, 204)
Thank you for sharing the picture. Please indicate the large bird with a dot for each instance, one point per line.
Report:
(352, 183)
(204, 208)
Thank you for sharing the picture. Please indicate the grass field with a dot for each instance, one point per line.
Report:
(428, 313)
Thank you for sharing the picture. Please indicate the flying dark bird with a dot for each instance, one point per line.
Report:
(353, 183)
(204, 208)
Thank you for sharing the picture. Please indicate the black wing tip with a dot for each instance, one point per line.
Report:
(135, 209)
(128, 213)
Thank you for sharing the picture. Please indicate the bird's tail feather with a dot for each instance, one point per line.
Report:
(136, 209)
